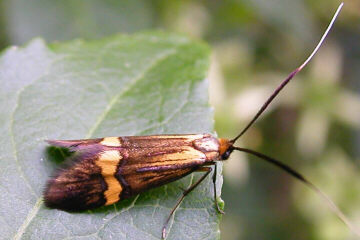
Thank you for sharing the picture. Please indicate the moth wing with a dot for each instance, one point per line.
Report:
(78, 186)
(144, 180)
(153, 167)
(106, 169)
(74, 145)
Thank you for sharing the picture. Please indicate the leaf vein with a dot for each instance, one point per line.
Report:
(132, 83)
(28, 219)
(19, 168)
(117, 214)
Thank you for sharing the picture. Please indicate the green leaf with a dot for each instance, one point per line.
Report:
(148, 83)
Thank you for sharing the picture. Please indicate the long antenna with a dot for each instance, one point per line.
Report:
(291, 75)
(301, 178)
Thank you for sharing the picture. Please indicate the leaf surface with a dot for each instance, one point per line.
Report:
(146, 83)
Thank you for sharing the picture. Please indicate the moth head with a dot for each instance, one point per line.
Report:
(226, 148)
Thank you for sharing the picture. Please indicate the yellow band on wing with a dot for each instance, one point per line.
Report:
(111, 142)
(108, 162)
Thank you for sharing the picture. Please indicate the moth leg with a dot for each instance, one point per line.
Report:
(186, 192)
(215, 196)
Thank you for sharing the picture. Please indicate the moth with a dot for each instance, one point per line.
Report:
(107, 170)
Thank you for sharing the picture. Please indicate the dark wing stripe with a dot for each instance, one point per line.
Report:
(167, 167)
(74, 145)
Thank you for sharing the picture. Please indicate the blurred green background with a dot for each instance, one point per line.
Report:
(313, 125)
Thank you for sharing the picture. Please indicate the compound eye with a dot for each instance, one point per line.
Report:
(226, 155)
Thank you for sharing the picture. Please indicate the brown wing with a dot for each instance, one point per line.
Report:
(130, 141)
(151, 167)
(153, 161)
(110, 169)
(78, 186)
